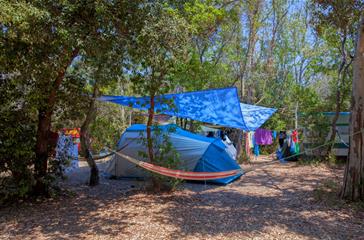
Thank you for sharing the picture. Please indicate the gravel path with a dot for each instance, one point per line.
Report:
(274, 202)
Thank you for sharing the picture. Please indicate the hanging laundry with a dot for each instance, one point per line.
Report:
(292, 146)
(274, 134)
(256, 147)
(297, 148)
(281, 137)
(250, 139)
(295, 141)
(289, 138)
(256, 150)
(263, 137)
(247, 144)
(295, 136)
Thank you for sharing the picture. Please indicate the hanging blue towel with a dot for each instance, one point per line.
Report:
(274, 134)
(292, 147)
(256, 147)
(256, 150)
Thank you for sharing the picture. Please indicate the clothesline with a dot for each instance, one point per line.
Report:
(281, 130)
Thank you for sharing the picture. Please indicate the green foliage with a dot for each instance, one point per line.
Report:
(336, 15)
(107, 127)
(17, 143)
(203, 17)
(164, 154)
(39, 42)
(161, 43)
(285, 53)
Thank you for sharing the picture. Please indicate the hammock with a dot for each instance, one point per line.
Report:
(179, 173)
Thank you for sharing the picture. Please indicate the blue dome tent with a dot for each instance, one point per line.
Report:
(196, 153)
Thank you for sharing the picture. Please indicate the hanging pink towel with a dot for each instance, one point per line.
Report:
(263, 137)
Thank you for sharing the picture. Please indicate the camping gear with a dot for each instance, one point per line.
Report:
(231, 150)
(287, 147)
(216, 106)
(282, 136)
(66, 154)
(75, 133)
(196, 153)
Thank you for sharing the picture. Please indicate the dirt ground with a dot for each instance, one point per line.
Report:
(276, 201)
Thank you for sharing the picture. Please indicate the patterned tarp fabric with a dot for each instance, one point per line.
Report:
(216, 106)
(254, 116)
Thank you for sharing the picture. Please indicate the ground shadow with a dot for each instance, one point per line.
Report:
(249, 207)
(228, 212)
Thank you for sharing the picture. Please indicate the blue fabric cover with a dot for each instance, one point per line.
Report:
(217, 106)
(216, 159)
(254, 116)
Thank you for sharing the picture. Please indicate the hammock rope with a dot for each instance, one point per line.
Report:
(341, 139)
(179, 173)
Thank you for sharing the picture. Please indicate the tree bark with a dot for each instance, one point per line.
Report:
(156, 184)
(192, 126)
(185, 123)
(44, 126)
(149, 129)
(254, 9)
(236, 136)
(353, 187)
(253, 17)
(85, 140)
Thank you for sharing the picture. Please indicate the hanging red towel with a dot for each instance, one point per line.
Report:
(295, 136)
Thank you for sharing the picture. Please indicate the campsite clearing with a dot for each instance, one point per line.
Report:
(275, 202)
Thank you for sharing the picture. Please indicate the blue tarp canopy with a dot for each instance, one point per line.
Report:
(216, 106)
(254, 116)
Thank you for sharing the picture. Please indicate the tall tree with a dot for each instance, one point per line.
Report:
(353, 187)
(42, 40)
(85, 138)
(336, 21)
(160, 45)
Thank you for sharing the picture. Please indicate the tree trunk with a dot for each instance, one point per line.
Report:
(156, 183)
(44, 126)
(192, 126)
(353, 188)
(253, 17)
(185, 124)
(149, 129)
(236, 136)
(85, 140)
